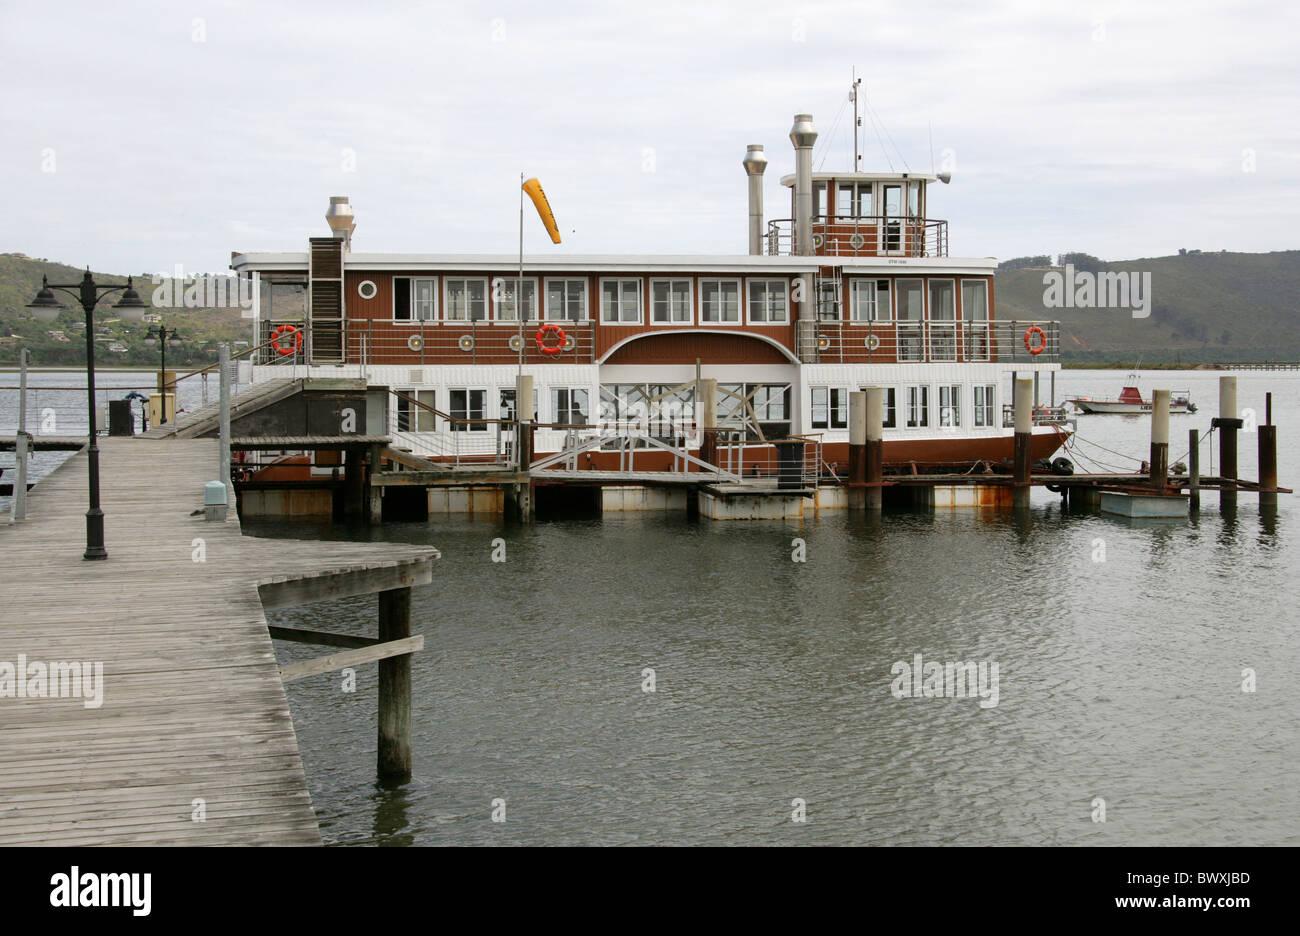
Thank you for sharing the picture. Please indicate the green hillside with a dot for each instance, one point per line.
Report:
(1206, 307)
(20, 280)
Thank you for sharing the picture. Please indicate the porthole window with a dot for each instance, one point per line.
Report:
(367, 289)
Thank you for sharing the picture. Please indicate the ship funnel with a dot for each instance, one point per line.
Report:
(755, 162)
(341, 220)
(803, 135)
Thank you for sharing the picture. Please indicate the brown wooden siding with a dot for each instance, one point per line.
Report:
(709, 347)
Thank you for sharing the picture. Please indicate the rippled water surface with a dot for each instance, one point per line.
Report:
(1119, 679)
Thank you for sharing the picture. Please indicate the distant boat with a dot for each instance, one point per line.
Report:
(1130, 401)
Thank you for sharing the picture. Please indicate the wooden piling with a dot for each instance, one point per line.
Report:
(875, 448)
(857, 449)
(353, 483)
(395, 688)
(1268, 457)
(1159, 472)
(1194, 469)
(1024, 394)
(1228, 422)
(708, 419)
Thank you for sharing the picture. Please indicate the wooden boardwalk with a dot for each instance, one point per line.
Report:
(193, 704)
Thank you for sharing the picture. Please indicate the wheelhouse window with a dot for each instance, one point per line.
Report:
(670, 301)
(570, 405)
(949, 406)
(503, 298)
(466, 300)
(819, 201)
(984, 406)
(415, 299)
(720, 301)
(869, 300)
(918, 407)
(415, 410)
(620, 301)
(830, 407)
(566, 300)
(852, 200)
(467, 404)
(767, 302)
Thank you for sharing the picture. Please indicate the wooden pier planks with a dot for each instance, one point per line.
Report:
(193, 705)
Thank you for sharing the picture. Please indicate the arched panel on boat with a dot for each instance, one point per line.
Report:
(711, 347)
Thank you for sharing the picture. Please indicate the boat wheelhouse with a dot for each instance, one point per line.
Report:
(857, 289)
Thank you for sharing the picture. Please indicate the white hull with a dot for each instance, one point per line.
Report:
(1096, 406)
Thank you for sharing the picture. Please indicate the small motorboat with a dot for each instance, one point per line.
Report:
(1130, 401)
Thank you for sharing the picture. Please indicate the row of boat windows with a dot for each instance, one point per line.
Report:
(658, 407)
(672, 300)
(830, 407)
(621, 300)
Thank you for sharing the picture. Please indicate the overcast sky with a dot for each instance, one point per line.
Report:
(140, 135)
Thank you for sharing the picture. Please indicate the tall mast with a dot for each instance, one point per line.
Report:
(857, 121)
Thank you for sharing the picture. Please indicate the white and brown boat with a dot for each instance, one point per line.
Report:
(855, 289)
(1130, 401)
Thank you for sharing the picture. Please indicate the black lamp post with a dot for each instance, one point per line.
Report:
(160, 335)
(45, 308)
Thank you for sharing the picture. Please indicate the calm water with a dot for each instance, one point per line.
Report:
(1118, 679)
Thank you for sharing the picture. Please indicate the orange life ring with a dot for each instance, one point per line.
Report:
(281, 332)
(542, 332)
(1042, 340)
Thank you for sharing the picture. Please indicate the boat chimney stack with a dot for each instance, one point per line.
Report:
(803, 135)
(755, 162)
(341, 220)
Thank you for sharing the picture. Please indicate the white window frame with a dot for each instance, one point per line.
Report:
(640, 301)
(555, 409)
(415, 414)
(954, 394)
(753, 281)
(446, 299)
(510, 283)
(451, 409)
(690, 300)
(924, 397)
(831, 423)
(855, 284)
(411, 318)
(987, 406)
(740, 300)
(585, 315)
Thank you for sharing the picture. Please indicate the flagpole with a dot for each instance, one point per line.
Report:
(519, 287)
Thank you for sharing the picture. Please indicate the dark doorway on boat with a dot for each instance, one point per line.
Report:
(565, 502)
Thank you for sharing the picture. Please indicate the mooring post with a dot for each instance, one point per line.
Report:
(353, 482)
(857, 449)
(875, 448)
(374, 493)
(1228, 423)
(524, 414)
(1194, 469)
(708, 421)
(1024, 396)
(1268, 457)
(395, 688)
(1159, 439)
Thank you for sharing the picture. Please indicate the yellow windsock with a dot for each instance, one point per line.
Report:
(534, 190)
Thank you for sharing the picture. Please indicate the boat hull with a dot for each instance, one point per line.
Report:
(1131, 409)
